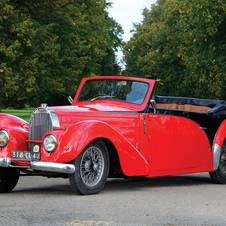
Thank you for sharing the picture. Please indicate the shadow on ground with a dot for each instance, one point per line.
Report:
(60, 186)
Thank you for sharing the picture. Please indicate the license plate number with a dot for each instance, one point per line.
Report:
(25, 155)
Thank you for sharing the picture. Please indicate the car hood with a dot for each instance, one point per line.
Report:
(98, 107)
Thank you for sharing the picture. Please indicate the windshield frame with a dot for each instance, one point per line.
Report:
(134, 106)
(128, 98)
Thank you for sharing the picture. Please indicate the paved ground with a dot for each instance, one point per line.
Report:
(178, 200)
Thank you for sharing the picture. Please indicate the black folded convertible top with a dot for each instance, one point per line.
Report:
(218, 106)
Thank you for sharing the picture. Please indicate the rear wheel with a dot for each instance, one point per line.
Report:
(219, 176)
(8, 179)
(91, 169)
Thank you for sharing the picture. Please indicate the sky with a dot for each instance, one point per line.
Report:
(127, 12)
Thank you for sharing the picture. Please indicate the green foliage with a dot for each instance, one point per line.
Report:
(47, 47)
(183, 47)
(109, 65)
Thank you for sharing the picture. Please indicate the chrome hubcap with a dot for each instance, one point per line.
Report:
(92, 166)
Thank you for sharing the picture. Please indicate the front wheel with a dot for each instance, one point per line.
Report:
(91, 169)
(219, 176)
(8, 179)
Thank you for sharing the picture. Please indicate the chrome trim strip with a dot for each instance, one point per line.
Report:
(216, 156)
(70, 99)
(42, 166)
(53, 167)
(203, 128)
(5, 162)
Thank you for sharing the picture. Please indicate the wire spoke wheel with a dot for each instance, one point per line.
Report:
(222, 164)
(91, 169)
(92, 166)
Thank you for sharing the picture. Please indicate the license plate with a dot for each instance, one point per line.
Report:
(25, 155)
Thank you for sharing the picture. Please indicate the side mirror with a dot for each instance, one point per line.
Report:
(153, 105)
(70, 99)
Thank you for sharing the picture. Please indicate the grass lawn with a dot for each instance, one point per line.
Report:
(25, 114)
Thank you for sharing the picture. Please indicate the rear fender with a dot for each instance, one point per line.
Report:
(220, 134)
(81, 134)
(218, 143)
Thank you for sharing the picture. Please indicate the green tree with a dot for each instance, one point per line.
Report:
(199, 32)
(142, 40)
(109, 64)
(185, 47)
(47, 47)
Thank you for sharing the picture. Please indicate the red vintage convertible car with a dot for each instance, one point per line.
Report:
(115, 127)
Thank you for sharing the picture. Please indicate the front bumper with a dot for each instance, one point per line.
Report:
(42, 166)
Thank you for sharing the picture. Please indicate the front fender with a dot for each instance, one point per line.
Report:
(17, 141)
(18, 133)
(12, 121)
(81, 134)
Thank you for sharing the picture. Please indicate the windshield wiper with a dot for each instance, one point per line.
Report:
(101, 96)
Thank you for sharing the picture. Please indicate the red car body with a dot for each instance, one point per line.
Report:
(140, 139)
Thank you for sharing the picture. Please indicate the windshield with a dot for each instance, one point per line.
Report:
(122, 90)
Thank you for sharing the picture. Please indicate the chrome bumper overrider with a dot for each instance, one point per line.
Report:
(42, 166)
(216, 156)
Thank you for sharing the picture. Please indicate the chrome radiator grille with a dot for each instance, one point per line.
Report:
(43, 120)
(40, 124)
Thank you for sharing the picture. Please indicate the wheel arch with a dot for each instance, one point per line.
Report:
(115, 166)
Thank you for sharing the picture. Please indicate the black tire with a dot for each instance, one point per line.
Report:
(219, 176)
(91, 169)
(8, 179)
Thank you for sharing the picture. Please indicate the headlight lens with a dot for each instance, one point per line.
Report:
(50, 143)
(4, 138)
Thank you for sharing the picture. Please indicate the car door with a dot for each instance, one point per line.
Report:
(176, 143)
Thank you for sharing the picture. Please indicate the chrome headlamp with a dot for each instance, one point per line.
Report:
(50, 143)
(4, 138)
